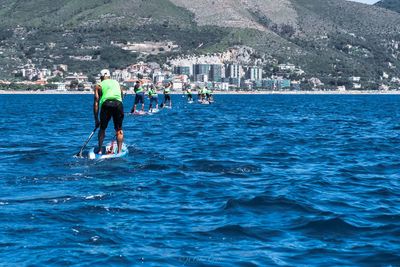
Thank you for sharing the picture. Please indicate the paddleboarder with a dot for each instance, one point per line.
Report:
(139, 98)
(108, 96)
(189, 94)
(153, 96)
(203, 93)
(167, 96)
(209, 95)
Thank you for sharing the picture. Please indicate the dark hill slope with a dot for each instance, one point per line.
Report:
(390, 4)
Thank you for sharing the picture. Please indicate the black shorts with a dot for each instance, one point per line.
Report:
(167, 98)
(114, 109)
(154, 99)
(139, 98)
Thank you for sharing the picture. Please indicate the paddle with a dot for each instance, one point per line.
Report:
(79, 154)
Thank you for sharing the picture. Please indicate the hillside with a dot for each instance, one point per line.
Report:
(390, 4)
(326, 38)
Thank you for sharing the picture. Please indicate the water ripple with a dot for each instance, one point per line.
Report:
(247, 181)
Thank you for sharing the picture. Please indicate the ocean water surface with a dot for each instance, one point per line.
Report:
(267, 180)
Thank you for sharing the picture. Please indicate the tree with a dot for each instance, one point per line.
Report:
(74, 84)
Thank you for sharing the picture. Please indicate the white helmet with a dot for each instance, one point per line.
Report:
(105, 73)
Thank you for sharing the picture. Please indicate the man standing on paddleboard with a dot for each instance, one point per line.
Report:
(108, 95)
(153, 96)
(203, 92)
(167, 96)
(189, 94)
(139, 97)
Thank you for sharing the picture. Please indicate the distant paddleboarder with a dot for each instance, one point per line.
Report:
(108, 96)
(203, 94)
(167, 95)
(199, 94)
(153, 96)
(189, 94)
(209, 95)
(139, 97)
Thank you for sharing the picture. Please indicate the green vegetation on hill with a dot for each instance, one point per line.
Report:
(75, 27)
(331, 40)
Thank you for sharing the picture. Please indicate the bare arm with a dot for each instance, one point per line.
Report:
(97, 95)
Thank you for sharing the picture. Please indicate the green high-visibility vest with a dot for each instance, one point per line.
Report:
(138, 90)
(152, 92)
(110, 90)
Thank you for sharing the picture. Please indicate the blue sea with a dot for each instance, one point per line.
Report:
(269, 180)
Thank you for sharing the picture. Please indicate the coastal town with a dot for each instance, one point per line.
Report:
(220, 72)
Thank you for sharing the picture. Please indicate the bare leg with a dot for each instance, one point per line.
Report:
(101, 135)
(120, 140)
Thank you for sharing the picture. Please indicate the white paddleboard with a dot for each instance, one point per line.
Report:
(139, 113)
(190, 102)
(153, 111)
(109, 152)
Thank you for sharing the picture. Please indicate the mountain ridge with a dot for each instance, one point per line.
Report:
(393, 5)
(327, 38)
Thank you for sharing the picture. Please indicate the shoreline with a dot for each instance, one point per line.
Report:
(353, 92)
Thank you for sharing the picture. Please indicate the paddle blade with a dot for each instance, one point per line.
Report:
(79, 154)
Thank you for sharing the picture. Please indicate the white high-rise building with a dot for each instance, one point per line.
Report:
(233, 71)
(254, 73)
